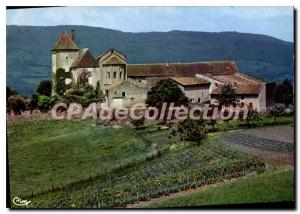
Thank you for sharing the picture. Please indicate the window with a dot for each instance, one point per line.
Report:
(121, 75)
(115, 75)
(115, 92)
(123, 94)
(108, 75)
(242, 97)
(198, 100)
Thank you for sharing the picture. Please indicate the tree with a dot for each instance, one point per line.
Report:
(10, 92)
(44, 88)
(60, 81)
(166, 91)
(16, 103)
(194, 130)
(99, 93)
(81, 77)
(227, 96)
(284, 93)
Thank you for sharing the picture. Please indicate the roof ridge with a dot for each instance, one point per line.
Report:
(182, 63)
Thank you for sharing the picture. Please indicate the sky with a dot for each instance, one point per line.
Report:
(272, 21)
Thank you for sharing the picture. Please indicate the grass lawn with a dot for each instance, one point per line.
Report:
(263, 122)
(270, 186)
(45, 153)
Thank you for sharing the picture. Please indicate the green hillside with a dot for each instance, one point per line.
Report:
(29, 61)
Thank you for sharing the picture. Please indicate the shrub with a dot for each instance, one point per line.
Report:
(44, 88)
(44, 103)
(83, 96)
(194, 130)
(277, 111)
(16, 104)
(253, 118)
(138, 123)
(33, 102)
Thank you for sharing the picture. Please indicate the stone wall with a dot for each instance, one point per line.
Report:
(197, 93)
(126, 94)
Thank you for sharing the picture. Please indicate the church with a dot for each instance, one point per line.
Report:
(126, 84)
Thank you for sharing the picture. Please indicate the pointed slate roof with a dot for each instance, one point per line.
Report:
(65, 43)
(85, 60)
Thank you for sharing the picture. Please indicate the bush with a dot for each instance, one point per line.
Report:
(16, 104)
(83, 96)
(44, 88)
(277, 111)
(194, 130)
(138, 123)
(44, 103)
(33, 102)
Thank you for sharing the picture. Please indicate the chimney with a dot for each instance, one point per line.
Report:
(167, 63)
(73, 35)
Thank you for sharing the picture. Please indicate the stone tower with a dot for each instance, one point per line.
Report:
(63, 55)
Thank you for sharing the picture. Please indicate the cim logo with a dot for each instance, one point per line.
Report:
(19, 202)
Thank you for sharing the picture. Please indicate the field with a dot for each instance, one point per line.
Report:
(49, 154)
(271, 186)
(79, 164)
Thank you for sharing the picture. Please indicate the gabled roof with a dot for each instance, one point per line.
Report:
(243, 89)
(189, 81)
(85, 60)
(181, 69)
(65, 43)
(108, 53)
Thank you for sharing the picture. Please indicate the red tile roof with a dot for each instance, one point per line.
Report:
(181, 69)
(85, 60)
(187, 81)
(236, 78)
(65, 43)
(243, 89)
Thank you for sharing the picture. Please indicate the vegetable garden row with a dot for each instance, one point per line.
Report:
(181, 169)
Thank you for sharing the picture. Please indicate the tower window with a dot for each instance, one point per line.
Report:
(121, 75)
(108, 75)
(115, 75)
(123, 94)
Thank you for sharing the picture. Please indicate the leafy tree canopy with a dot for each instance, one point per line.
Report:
(228, 95)
(44, 88)
(284, 93)
(166, 91)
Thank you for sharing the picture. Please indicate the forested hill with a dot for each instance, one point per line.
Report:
(29, 60)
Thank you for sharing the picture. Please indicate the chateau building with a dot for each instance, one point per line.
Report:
(125, 84)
